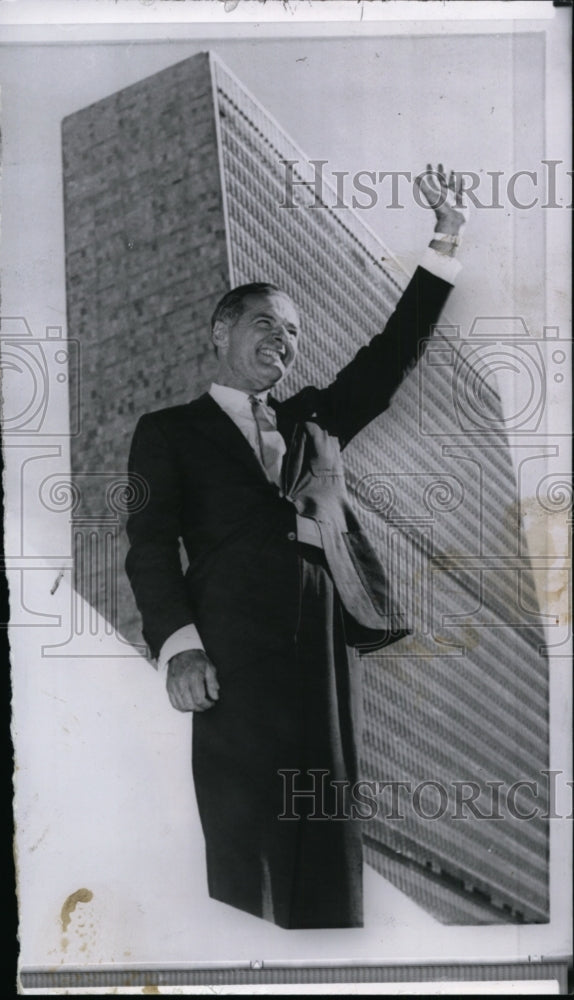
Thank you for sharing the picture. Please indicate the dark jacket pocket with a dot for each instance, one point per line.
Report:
(364, 558)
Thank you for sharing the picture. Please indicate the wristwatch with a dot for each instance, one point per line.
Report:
(445, 243)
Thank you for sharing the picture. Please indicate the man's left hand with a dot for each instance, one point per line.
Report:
(446, 197)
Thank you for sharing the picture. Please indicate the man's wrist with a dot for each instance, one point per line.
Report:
(445, 243)
(184, 639)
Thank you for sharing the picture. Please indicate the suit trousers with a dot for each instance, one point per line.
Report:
(273, 761)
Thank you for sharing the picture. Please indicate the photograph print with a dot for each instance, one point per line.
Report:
(293, 482)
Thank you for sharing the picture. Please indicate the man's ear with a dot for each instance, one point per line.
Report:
(220, 335)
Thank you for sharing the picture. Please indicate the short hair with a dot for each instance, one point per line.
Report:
(230, 307)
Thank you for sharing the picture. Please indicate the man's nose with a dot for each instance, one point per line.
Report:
(280, 334)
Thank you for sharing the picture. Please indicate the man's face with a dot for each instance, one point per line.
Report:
(257, 350)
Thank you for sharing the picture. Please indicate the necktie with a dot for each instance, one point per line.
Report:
(270, 451)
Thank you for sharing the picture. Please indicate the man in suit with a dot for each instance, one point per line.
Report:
(257, 634)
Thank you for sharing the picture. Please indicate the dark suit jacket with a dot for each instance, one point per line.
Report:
(207, 487)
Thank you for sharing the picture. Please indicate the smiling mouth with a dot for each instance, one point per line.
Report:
(277, 355)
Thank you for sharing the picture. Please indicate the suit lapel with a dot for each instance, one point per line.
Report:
(287, 427)
(208, 418)
(285, 424)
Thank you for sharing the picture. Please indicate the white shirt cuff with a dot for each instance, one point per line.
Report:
(440, 265)
(184, 639)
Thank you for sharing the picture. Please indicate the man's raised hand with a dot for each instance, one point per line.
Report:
(191, 682)
(445, 197)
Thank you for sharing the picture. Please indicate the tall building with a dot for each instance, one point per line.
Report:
(176, 189)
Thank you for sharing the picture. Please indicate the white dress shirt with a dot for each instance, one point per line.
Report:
(235, 402)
